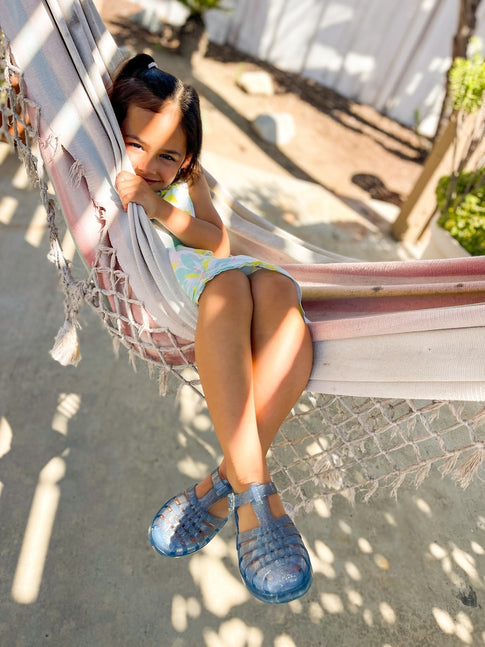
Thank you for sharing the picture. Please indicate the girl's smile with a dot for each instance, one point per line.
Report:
(156, 144)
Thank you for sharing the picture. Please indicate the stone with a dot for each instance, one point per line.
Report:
(256, 83)
(275, 128)
(149, 20)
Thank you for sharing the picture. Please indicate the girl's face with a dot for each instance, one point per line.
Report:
(155, 144)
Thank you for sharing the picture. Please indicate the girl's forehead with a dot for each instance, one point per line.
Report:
(156, 126)
(169, 114)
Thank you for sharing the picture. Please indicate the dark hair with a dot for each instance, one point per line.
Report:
(148, 87)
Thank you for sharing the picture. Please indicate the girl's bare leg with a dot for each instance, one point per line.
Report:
(282, 351)
(253, 374)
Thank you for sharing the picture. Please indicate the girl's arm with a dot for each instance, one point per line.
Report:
(204, 210)
(205, 231)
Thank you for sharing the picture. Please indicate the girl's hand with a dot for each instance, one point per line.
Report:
(132, 188)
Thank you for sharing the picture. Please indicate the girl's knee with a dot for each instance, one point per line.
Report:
(229, 281)
(272, 287)
(229, 287)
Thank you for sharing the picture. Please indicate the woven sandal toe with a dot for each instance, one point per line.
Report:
(273, 560)
(183, 526)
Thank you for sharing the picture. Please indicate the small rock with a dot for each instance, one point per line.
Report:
(256, 83)
(275, 128)
(148, 19)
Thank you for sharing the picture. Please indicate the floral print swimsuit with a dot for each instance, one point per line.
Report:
(194, 268)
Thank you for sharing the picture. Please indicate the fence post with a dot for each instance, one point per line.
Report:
(418, 209)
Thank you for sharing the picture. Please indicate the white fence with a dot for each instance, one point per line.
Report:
(391, 54)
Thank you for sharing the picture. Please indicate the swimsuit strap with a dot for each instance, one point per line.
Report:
(178, 195)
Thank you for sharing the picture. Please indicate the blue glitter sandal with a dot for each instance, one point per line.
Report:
(273, 560)
(183, 526)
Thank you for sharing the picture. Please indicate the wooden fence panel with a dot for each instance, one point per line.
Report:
(418, 88)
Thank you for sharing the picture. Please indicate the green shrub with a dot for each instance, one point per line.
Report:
(461, 201)
(461, 195)
(467, 82)
(197, 7)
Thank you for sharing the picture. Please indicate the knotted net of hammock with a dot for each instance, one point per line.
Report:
(328, 444)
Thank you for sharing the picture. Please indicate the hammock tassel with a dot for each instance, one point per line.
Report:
(465, 473)
(66, 345)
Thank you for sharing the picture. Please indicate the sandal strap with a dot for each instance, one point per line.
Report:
(256, 493)
(221, 488)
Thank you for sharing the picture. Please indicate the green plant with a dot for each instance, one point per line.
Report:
(467, 80)
(197, 7)
(464, 215)
(461, 195)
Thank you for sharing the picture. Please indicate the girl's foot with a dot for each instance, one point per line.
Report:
(187, 522)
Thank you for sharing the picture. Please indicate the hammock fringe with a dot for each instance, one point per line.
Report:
(76, 173)
(464, 474)
(163, 376)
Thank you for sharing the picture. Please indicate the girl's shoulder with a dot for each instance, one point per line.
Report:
(178, 195)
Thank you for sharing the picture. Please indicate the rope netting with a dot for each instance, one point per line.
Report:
(328, 444)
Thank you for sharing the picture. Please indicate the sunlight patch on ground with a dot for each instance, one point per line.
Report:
(218, 548)
(68, 246)
(462, 627)
(332, 603)
(284, 641)
(322, 508)
(21, 179)
(195, 470)
(30, 566)
(315, 613)
(5, 441)
(387, 613)
(323, 559)
(477, 548)
(8, 206)
(68, 406)
(182, 610)
(345, 527)
(466, 562)
(355, 600)
(220, 590)
(236, 633)
(382, 562)
(364, 546)
(37, 227)
(422, 506)
(390, 519)
(459, 557)
(353, 572)
(5, 437)
(5, 150)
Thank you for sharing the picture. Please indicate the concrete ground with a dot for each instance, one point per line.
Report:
(88, 454)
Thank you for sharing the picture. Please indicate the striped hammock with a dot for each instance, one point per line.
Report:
(398, 381)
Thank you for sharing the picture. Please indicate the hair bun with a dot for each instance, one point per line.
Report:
(135, 65)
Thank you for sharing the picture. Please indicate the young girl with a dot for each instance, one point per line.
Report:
(252, 347)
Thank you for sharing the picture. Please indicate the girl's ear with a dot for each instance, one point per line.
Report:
(186, 161)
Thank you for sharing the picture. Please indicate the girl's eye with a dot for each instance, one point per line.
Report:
(168, 157)
(134, 145)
